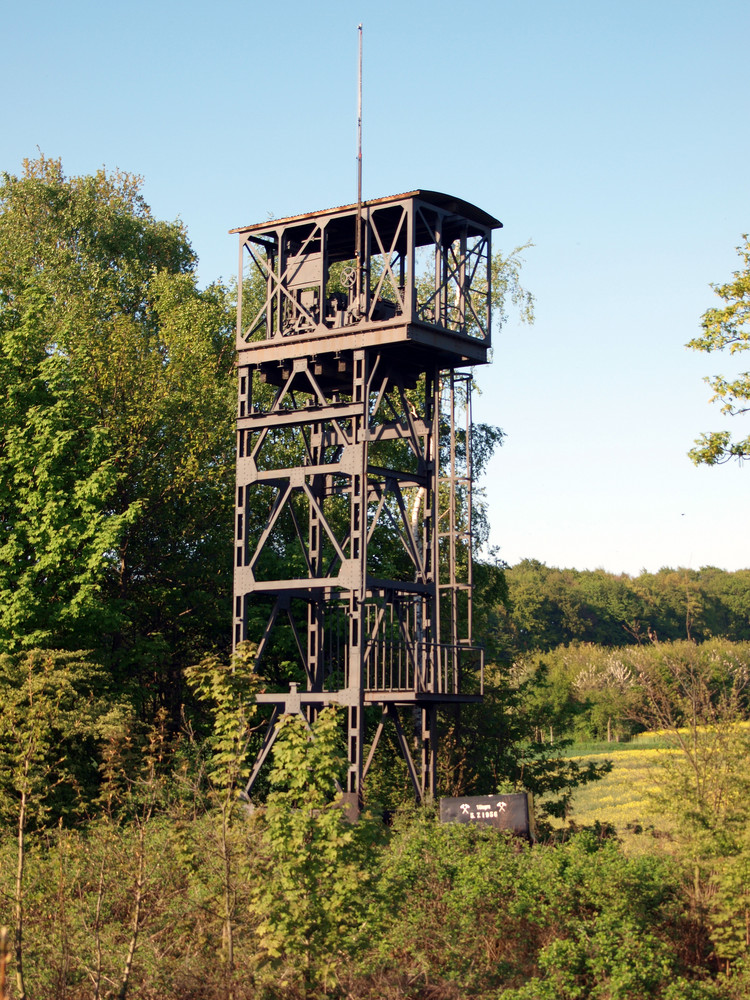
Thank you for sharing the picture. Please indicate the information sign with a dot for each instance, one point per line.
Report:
(506, 812)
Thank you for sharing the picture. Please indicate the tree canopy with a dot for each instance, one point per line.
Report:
(116, 438)
(727, 327)
(549, 607)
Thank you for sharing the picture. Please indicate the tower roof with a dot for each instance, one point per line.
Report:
(448, 203)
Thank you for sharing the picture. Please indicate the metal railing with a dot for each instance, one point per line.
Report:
(423, 668)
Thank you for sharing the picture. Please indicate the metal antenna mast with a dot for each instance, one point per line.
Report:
(359, 123)
(358, 237)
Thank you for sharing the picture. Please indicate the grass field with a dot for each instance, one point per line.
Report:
(625, 797)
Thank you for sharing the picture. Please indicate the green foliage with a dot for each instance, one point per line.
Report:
(40, 722)
(697, 696)
(437, 910)
(56, 473)
(688, 782)
(133, 868)
(229, 690)
(581, 690)
(313, 907)
(52, 709)
(500, 745)
(472, 909)
(55, 730)
(549, 607)
(116, 444)
(597, 693)
(506, 285)
(730, 902)
(727, 328)
(81, 893)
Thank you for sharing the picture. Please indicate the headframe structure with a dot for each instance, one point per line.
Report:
(353, 550)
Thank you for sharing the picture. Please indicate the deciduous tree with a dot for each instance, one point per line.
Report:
(697, 697)
(727, 328)
(116, 440)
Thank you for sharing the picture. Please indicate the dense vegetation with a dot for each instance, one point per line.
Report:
(116, 446)
(549, 607)
(129, 865)
(167, 887)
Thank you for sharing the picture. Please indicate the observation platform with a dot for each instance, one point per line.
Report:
(409, 274)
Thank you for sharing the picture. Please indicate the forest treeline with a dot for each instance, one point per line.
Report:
(130, 864)
(576, 640)
(548, 607)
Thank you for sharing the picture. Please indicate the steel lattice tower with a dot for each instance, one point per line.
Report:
(353, 523)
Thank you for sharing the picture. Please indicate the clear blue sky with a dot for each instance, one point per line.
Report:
(613, 135)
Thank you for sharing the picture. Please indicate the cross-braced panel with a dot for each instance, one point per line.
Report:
(418, 263)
